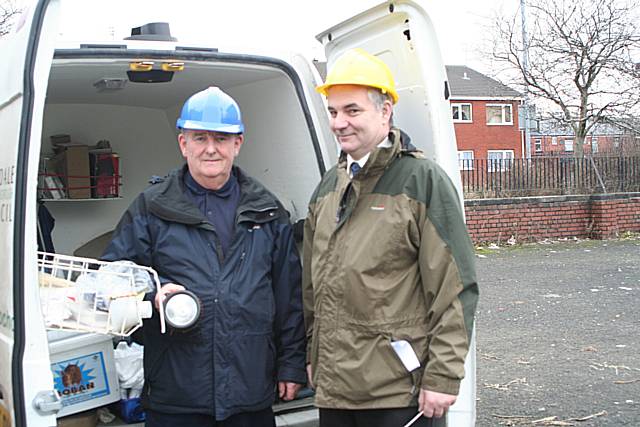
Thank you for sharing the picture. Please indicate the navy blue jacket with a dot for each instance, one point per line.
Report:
(250, 333)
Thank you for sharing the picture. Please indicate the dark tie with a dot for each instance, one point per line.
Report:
(355, 168)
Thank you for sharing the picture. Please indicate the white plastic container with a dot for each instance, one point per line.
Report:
(84, 370)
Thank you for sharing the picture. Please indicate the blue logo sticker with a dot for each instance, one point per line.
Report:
(80, 379)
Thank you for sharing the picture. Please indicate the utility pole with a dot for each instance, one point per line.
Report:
(525, 67)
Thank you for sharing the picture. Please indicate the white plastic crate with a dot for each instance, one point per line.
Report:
(84, 372)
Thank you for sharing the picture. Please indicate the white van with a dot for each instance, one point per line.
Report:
(129, 93)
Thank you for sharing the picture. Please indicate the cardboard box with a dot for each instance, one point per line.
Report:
(84, 370)
(72, 165)
(84, 419)
(105, 174)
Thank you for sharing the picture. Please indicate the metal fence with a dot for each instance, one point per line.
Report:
(539, 176)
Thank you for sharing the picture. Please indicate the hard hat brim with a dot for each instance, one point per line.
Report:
(322, 89)
(208, 126)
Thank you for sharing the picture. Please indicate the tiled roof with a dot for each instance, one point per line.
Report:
(465, 81)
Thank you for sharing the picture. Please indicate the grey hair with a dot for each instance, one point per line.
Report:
(378, 98)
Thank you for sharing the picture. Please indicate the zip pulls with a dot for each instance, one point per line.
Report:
(343, 205)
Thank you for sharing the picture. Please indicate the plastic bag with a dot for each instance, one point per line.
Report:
(113, 280)
(131, 410)
(129, 366)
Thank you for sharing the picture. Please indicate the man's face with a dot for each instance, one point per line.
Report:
(358, 125)
(209, 155)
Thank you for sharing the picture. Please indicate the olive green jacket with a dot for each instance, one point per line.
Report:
(387, 257)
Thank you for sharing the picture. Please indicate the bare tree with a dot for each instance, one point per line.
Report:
(8, 11)
(583, 58)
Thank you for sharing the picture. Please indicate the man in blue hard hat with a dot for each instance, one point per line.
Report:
(211, 229)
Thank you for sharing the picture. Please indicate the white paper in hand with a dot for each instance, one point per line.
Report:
(406, 354)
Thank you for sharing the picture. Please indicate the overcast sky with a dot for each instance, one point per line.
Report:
(460, 24)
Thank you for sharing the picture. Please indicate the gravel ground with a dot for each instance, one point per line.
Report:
(558, 334)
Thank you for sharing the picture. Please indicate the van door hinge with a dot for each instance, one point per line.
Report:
(48, 401)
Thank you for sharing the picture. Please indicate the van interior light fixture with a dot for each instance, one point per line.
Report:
(151, 76)
(107, 84)
(141, 66)
(173, 66)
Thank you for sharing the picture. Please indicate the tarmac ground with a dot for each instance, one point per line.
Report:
(558, 334)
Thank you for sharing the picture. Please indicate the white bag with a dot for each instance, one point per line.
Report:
(129, 366)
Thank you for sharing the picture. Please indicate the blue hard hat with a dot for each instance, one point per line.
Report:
(212, 110)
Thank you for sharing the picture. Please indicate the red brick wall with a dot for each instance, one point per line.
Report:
(480, 137)
(529, 219)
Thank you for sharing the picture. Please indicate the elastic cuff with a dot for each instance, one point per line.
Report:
(293, 375)
(441, 384)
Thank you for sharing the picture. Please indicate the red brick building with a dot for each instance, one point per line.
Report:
(554, 140)
(485, 116)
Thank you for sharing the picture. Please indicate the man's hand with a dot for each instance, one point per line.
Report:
(434, 404)
(310, 377)
(288, 390)
(166, 289)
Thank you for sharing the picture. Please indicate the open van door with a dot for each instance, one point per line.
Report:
(402, 35)
(26, 383)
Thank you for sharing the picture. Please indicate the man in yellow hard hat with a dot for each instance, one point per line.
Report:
(389, 281)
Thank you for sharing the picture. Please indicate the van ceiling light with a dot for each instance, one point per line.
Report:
(151, 76)
(173, 66)
(141, 66)
(109, 84)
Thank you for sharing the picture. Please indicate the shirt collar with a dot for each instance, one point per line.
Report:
(386, 143)
(196, 188)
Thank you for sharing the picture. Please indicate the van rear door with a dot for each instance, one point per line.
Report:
(26, 383)
(403, 36)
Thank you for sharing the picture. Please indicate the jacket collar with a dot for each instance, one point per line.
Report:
(381, 157)
(170, 203)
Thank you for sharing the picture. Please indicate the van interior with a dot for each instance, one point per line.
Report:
(118, 97)
(112, 101)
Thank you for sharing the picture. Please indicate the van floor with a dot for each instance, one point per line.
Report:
(119, 423)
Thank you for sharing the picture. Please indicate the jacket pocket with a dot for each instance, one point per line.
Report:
(250, 285)
(251, 371)
(367, 368)
(181, 377)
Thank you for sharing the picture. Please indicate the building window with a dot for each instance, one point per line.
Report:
(465, 160)
(554, 140)
(499, 160)
(538, 145)
(594, 144)
(568, 145)
(499, 114)
(461, 113)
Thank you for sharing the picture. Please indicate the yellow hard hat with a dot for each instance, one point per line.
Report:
(359, 67)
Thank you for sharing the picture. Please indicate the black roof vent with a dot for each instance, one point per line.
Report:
(157, 31)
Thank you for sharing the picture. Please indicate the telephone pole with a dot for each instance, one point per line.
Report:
(525, 69)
